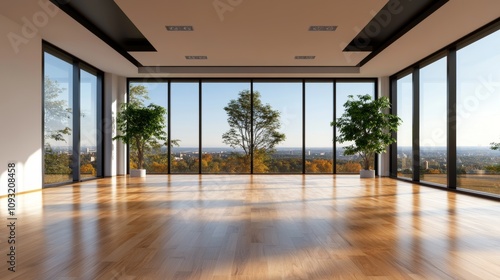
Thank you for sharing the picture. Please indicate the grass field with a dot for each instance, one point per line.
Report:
(488, 183)
(485, 183)
(57, 178)
(63, 178)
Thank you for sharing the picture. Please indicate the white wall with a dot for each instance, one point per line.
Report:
(21, 120)
(20, 107)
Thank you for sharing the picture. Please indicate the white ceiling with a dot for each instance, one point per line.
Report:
(257, 33)
(252, 33)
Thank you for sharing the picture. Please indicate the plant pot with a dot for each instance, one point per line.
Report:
(137, 172)
(366, 173)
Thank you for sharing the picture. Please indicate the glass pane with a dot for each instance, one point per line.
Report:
(58, 127)
(226, 128)
(278, 127)
(319, 133)
(88, 123)
(155, 156)
(405, 112)
(433, 122)
(349, 163)
(184, 127)
(478, 103)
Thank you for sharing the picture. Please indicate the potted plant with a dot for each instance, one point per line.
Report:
(369, 127)
(142, 127)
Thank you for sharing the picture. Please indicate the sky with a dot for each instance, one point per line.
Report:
(286, 97)
(60, 71)
(478, 98)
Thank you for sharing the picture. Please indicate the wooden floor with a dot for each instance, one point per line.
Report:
(252, 227)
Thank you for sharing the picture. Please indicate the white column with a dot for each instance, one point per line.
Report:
(384, 159)
(114, 151)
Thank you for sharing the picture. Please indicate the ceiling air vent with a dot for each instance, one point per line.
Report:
(179, 28)
(196, 57)
(322, 28)
(305, 57)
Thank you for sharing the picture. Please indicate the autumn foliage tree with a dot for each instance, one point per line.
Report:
(319, 166)
(88, 168)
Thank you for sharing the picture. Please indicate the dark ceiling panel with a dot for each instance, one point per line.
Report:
(107, 21)
(395, 19)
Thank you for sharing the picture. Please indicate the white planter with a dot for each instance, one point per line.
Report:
(367, 173)
(137, 172)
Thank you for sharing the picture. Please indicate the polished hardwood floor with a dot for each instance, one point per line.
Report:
(252, 227)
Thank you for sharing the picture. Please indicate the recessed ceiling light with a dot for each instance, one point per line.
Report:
(196, 57)
(322, 28)
(179, 28)
(305, 57)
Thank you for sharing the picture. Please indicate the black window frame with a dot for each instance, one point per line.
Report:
(450, 52)
(251, 81)
(77, 65)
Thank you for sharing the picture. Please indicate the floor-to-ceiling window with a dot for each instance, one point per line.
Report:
(248, 126)
(184, 126)
(58, 120)
(404, 134)
(279, 122)
(226, 115)
(478, 114)
(344, 89)
(457, 138)
(318, 131)
(72, 139)
(433, 122)
(89, 134)
(146, 93)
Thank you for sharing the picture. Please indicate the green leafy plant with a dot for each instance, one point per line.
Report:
(366, 124)
(266, 124)
(142, 127)
(57, 114)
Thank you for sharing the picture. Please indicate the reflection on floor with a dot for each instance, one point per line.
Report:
(253, 227)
